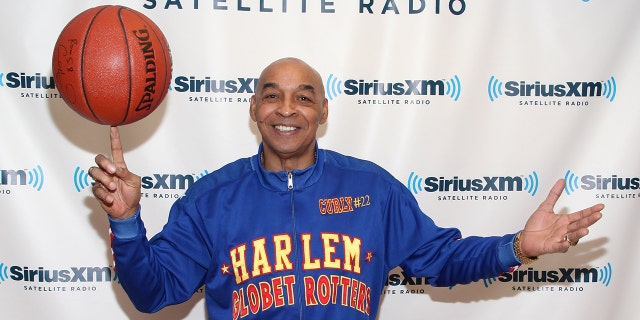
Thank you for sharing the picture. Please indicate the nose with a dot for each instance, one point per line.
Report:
(287, 108)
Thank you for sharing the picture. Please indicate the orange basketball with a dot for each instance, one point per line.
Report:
(112, 65)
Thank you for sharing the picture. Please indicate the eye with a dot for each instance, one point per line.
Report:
(304, 98)
(270, 96)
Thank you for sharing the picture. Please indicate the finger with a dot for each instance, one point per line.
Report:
(102, 178)
(562, 246)
(102, 194)
(580, 222)
(553, 196)
(105, 164)
(116, 148)
(586, 217)
(575, 236)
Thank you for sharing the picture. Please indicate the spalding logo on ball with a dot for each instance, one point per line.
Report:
(112, 65)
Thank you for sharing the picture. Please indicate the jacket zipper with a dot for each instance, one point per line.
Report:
(295, 236)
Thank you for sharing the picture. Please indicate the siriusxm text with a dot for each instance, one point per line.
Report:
(567, 89)
(73, 274)
(598, 182)
(562, 275)
(435, 184)
(406, 87)
(193, 84)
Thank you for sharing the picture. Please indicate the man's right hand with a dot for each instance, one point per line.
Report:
(116, 188)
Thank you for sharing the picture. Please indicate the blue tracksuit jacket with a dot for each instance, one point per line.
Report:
(316, 243)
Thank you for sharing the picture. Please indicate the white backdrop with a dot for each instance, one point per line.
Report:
(484, 125)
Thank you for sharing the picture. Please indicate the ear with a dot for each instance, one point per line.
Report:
(252, 108)
(325, 111)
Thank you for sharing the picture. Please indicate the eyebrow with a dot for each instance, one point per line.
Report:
(300, 87)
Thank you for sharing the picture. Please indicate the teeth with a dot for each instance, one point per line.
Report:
(285, 128)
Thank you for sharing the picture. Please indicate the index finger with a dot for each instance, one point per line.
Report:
(116, 148)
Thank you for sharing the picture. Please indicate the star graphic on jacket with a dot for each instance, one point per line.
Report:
(369, 256)
(225, 269)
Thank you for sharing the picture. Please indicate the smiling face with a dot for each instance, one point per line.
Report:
(289, 105)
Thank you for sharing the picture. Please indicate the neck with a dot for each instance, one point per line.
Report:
(273, 162)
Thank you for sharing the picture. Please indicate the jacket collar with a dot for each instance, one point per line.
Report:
(279, 180)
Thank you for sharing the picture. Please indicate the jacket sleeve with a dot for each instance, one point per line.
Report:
(163, 271)
(441, 255)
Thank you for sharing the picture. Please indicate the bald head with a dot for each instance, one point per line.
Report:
(291, 66)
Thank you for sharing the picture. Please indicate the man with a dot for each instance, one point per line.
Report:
(299, 232)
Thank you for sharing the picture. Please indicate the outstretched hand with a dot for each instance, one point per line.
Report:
(116, 188)
(548, 232)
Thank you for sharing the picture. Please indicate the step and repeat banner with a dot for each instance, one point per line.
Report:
(478, 107)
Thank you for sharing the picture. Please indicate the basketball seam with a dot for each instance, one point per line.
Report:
(84, 43)
(126, 42)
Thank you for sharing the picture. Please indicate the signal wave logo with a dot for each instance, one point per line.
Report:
(454, 88)
(202, 174)
(610, 89)
(580, 89)
(4, 276)
(605, 274)
(489, 281)
(528, 183)
(571, 182)
(414, 184)
(32, 177)
(36, 178)
(81, 179)
(531, 183)
(494, 88)
(334, 87)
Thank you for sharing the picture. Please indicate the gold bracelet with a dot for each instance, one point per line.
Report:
(517, 249)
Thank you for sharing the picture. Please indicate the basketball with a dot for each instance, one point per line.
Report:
(112, 65)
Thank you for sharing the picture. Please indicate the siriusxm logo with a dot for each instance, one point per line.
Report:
(580, 89)
(528, 183)
(599, 182)
(209, 85)
(22, 80)
(157, 181)
(32, 177)
(70, 275)
(562, 275)
(335, 86)
(170, 181)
